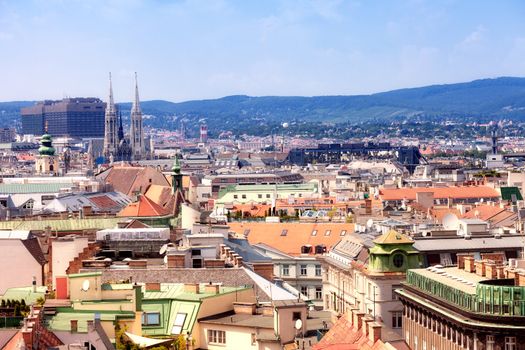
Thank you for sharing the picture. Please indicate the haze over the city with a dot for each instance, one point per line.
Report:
(206, 49)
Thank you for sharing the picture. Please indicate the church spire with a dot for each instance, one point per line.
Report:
(136, 101)
(111, 101)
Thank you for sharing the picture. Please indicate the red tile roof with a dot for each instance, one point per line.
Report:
(439, 192)
(144, 207)
(104, 202)
(297, 234)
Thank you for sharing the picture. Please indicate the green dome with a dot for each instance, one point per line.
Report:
(46, 146)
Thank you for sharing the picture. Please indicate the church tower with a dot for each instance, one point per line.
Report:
(136, 134)
(46, 162)
(110, 125)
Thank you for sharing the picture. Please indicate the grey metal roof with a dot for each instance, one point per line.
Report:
(474, 243)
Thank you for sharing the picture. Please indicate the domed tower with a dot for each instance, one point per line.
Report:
(46, 162)
(176, 176)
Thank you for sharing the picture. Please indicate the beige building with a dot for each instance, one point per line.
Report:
(21, 259)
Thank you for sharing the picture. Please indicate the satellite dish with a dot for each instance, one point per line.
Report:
(450, 222)
(163, 249)
(85, 285)
(165, 259)
(298, 324)
(285, 125)
(127, 260)
(369, 223)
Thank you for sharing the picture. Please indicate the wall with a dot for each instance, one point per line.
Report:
(237, 338)
(65, 251)
(18, 265)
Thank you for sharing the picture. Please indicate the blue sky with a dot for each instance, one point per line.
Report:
(212, 48)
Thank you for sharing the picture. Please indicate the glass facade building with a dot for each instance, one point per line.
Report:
(74, 117)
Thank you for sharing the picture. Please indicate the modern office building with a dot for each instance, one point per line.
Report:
(74, 117)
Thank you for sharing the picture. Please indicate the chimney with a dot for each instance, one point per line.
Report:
(152, 287)
(244, 308)
(374, 332)
(358, 320)
(34, 284)
(264, 270)
(469, 264)
(74, 326)
(211, 288)
(191, 288)
(27, 335)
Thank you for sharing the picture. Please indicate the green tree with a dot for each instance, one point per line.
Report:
(17, 311)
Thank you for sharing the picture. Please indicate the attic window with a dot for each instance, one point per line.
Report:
(246, 232)
(284, 232)
(314, 233)
(343, 232)
(327, 233)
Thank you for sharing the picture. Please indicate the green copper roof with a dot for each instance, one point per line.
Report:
(508, 192)
(33, 188)
(46, 148)
(61, 225)
(176, 166)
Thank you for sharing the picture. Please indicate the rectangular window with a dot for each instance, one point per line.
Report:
(179, 323)
(286, 270)
(216, 337)
(235, 196)
(397, 319)
(491, 340)
(318, 270)
(259, 196)
(151, 319)
(296, 316)
(510, 343)
(303, 270)
(318, 293)
(267, 196)
(243, 196)
(304, 291)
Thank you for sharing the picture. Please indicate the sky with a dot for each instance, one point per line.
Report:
(198, 49)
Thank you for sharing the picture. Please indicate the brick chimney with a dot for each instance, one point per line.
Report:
(374, 333)
(469, 264)
(212, 288)
(152, 286)
(176, 261)
(264, 270)
(191, 288)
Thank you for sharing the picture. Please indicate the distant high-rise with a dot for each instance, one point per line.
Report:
(110, 125)
(136, 134)
(74, 117)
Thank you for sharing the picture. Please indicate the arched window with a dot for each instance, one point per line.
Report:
(398, 260)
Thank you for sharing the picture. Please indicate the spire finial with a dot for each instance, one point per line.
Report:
(46, 126)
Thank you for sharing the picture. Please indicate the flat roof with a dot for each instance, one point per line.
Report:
(454, 277)
(459, 243)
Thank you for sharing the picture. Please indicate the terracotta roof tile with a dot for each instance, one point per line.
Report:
(144, 207)
(297, 234)
(104, 202)
(440, 192)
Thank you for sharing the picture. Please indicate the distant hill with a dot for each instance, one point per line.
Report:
(480, 99)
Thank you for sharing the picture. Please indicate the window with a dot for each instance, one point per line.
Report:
(243, 196)
(318, 270)
(267, 196)
(296, 316)
(343, 233)
(235, 196)
(303, 270)
(259, 196)
(284, 232)
(314, 233)
(29, 204)
(394, 294)
(286, 270)
(216, 337)
(318, 293)
(195, 252)
(397, 319)
(179, 323)
(510, 343)
(327, 233)
(151, 319)
(398, 260)
(304, 291)
(491, 340)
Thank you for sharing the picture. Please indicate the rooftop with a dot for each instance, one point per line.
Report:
(460, 192)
